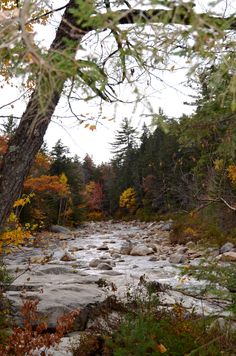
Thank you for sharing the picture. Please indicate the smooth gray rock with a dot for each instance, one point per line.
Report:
(141, 250)
(59, 229)
(57, 298)
(116, 255)
(104, 266)
(94, 262)
(177, 258)
(166, 227)
(227, 247)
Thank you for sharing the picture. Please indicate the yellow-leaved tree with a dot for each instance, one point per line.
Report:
(232, 173)
(128, 200)
(15, 234)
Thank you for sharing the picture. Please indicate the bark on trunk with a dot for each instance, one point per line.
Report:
(29, 135)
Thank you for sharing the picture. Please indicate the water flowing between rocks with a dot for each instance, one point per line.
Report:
(65, 267)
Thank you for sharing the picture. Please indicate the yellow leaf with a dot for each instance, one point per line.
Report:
(161, 348)
(92, 127)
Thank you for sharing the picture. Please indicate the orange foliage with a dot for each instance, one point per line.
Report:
(46, 183)
(3, 145)
(232, 173)
(31, 341)
(95, 216)
(41, 165)
(93, 195)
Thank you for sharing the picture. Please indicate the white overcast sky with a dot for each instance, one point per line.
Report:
(169, 95)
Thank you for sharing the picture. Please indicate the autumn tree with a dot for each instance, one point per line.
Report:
(128, 200)
(133, 48)
(93, 195)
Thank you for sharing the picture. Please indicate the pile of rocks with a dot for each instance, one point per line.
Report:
(63, 270)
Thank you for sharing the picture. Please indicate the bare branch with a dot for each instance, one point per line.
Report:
(217, 200)
(36, 18)
(227, 204)
(15, 100)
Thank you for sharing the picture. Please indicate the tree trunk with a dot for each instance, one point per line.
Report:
(29, 135)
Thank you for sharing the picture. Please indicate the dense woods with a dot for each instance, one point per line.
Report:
(47, 75)
(174, 165)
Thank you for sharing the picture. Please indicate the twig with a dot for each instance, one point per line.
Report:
(46, 14)
(20, 274)
(13, 101)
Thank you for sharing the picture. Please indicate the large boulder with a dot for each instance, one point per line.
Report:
(58, 294)
(141, 250)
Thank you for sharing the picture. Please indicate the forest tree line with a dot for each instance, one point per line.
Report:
(175, 165)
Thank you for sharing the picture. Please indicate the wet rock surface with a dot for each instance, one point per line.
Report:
(64, 270)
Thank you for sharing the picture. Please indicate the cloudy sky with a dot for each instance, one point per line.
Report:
(170, 94)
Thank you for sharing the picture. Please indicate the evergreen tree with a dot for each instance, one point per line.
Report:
(60, 160)
(90, 171)
(125, 141)
(8, 126)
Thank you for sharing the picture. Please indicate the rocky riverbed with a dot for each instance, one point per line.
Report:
(64, 269)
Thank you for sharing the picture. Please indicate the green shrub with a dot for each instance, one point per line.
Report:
(147, 328)
(212, 224)
(5, 320)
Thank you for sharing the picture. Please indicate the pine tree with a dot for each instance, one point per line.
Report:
(8, 126)
(125, 141)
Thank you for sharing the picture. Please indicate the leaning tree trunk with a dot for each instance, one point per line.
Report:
(29, 135)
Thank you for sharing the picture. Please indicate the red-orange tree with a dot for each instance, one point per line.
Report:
(93, 195)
